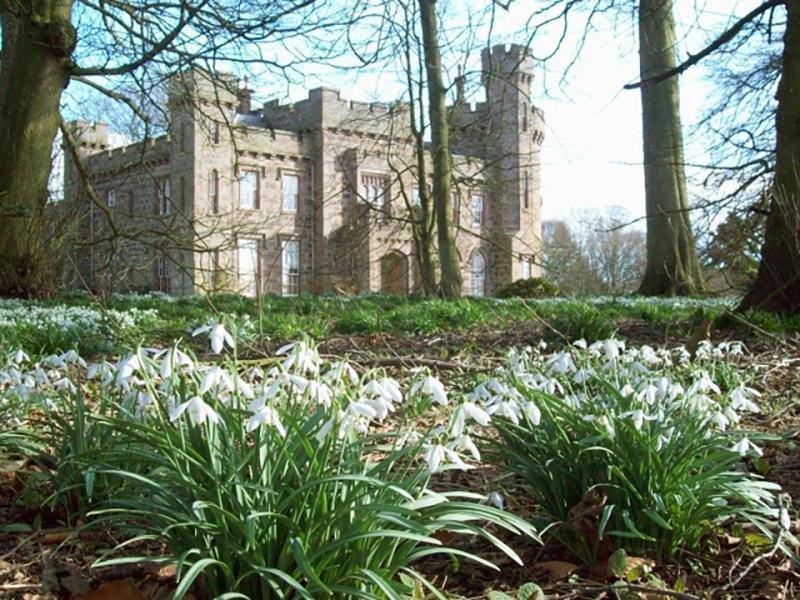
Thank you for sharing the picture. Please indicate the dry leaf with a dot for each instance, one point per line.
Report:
(124, 589)
(554, 570)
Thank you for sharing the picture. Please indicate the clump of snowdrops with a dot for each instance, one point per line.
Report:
(282, 479)
(632, 447)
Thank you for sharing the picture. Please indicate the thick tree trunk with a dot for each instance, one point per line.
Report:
(672, 265)
(38, 38)
(777, 286)
(449, 263)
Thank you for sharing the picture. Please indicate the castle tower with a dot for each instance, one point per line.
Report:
(515, 131)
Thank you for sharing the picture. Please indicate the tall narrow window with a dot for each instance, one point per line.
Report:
(213, 190)
(248, 267)
(527, 190)
(290, 268)
(415, 197)
(111, 198)
(165, 200)
(526, 267)
(478, 268)
(213, 131)
(215, 276)
(184, 136)
(248, 190)
(163, 282)
(525, 110)
(182, 194)
(289, 192)
(476, 208)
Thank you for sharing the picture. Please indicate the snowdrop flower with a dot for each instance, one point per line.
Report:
(471, 410)
(216, 377)
(126, 368)
(561, 363)
(173, 358)
(639, 417)
(217, 335)
(319, 392)
(612, 348)
(300, 355)
(266, 415)
(464, 443)
(532, 413)
(627, 390)
(740, 399)
(432, 387)
(64, 384)
(71, 356)
(744, 445)
(581, 343)
(584, 375)
(648, 394)
(496, 499)
(20, 357)
(342, 370)
(199, 412)
(434, 456)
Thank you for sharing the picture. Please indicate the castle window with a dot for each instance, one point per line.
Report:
(525, 110)
(527, 195)
(248, 267)
(415, 197)
(213, 131)
(290, 268)
(373, 188)
(213, 190)
(478, 274)
(164, 200)
(111, 198)
(162, 272)
(248, 190)
(182, 194)
(527, 263)
(476, 208)
(184, 136)
(289, 192)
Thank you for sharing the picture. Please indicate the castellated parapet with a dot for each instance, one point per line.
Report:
(311, 196)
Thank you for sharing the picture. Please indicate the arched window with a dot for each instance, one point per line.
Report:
(213, 190)
(478, 264)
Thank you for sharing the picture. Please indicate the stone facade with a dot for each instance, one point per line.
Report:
(310, 197)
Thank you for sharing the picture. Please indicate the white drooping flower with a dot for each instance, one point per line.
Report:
(471, 410)
(532, 413)
(174, 359)
(126, 368)
(434, 456)
(464, 443)
(432, 387)
(744, 446)
(20, 357)
(268, 416)
(496, 498)
(740, 399)
(216, 377)
(561, 363)
(301, 357)
(639, 417)
(199, 412)
(217, 335)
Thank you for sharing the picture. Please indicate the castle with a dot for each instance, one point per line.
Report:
(310, 197)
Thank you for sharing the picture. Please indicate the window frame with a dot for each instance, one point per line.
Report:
(285, 176)
(482, 276)
(477, 217)
(257, 191)
(290, 282)
(213, 190)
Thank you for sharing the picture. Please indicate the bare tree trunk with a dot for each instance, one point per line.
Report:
(777, 286)
(450, 265)
(672, 265)
(38, 39)
(422, 217)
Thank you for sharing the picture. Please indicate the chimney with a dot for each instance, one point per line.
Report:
(244, 95)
